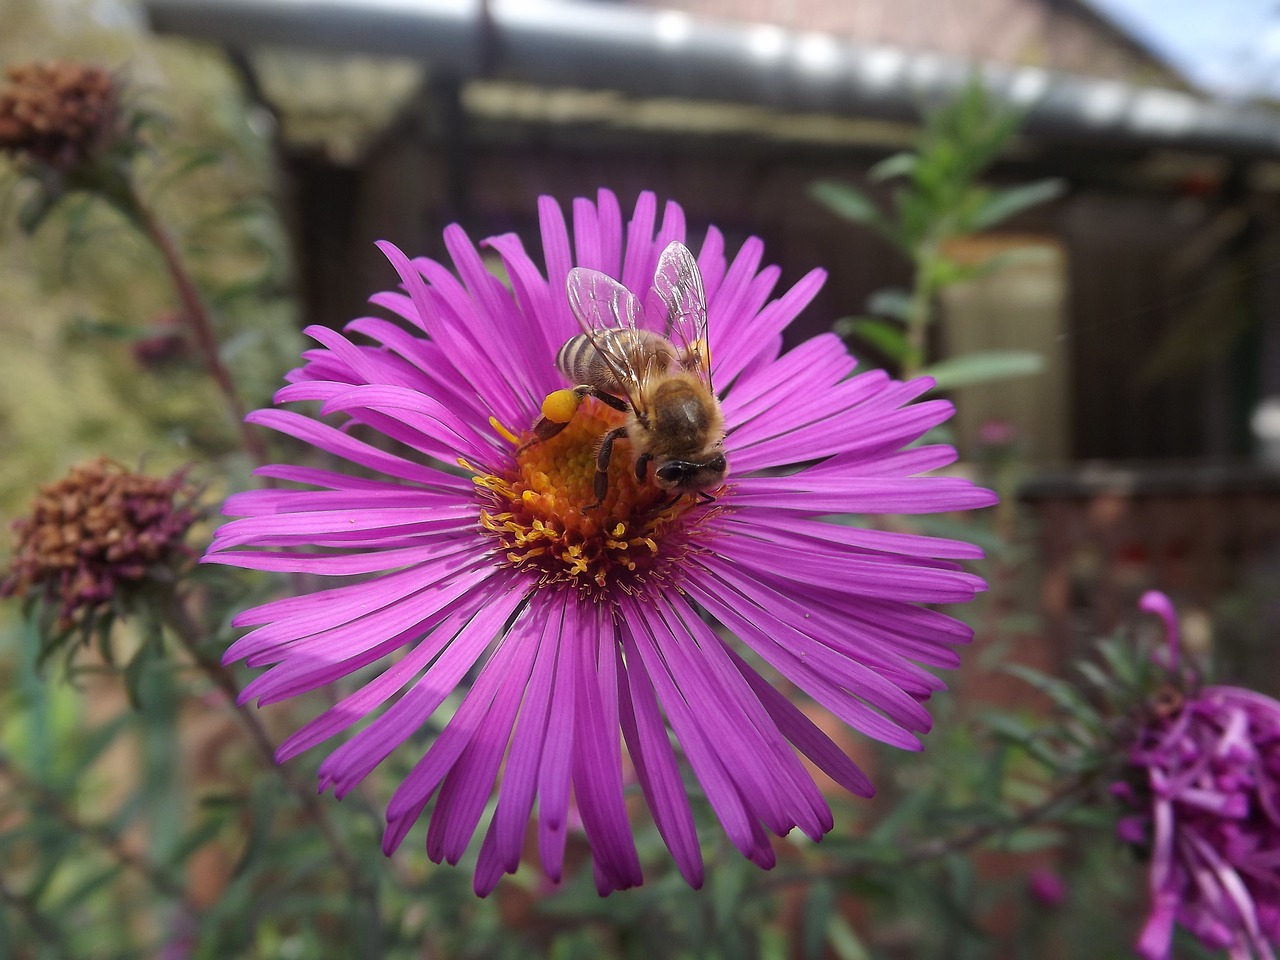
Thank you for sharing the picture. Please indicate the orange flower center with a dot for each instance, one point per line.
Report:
(538, 511)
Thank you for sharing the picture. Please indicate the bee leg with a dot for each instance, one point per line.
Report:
(704, 497)
(603, 455)
(544, 429)
(559, 407)
(607, 398)
(558, 410)
(642, 466)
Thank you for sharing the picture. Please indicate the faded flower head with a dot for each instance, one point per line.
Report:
(1205, 796)
(95, 534)
(58, 113)
(641, 625)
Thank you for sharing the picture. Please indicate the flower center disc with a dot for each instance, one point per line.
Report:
(538, 511)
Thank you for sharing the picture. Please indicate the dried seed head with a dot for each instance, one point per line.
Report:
(57, 113)
(98, 530)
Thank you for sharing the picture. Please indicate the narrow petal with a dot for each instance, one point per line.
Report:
(398, 723)
(656, 768)
(597, 759)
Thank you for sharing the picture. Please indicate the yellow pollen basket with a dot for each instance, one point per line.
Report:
(560, 406)
(537, 511)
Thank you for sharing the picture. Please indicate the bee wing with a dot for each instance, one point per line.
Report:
(678, 282)
(602, 304)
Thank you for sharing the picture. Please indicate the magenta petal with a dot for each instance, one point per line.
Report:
(639, 645)
(557, 752)
(353, 761)
(656, 768)
(597, 762)
(469, 783)
(520, 780)
(411, 797)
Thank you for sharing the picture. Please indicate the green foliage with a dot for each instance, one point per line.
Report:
(938, 199)
(984, 367)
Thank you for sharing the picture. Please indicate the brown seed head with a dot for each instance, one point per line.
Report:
(58, 113)
(94, 532)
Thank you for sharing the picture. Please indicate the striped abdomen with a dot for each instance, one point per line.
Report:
(642, 352)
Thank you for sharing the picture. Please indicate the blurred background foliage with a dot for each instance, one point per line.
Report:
(139, 813)
(87, 287)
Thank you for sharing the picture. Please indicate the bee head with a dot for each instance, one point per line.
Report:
(687, 476)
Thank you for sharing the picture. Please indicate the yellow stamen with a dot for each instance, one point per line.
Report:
(505, 433)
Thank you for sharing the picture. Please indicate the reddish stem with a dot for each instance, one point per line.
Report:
(198, 320)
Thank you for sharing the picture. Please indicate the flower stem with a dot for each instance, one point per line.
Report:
(194, 311)
(51, 803)
(919, 312)
(363, 889)
(40, 925)
(935, 849)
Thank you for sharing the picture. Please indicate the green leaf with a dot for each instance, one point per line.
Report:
(844, 942)
(1009, 727)
(818, 907)
(36, 208)
(984, 367)
(1029, 256)
(898, 165)
(890, 302)
(847, 202)
(1033, 839)
(1003, 204)
(885, 335)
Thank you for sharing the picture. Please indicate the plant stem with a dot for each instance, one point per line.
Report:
(935, 849)
(919, 312)
(41, 926)
(50, 802)
(194, 311)
(363, 890)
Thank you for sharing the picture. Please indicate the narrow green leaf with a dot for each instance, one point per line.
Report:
(1009, 727)
(890, 302)
(984, 367)
(1029, 256)
(818, 907)
(1003, 204)
(35, 209)
(847, 202)
(844, 942)
(898, 165)
(885, 335)
(1033, 839)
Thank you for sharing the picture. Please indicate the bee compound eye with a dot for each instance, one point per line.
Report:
(717, 463)
(671, 471)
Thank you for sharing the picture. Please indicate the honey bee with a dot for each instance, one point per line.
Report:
(662, 383)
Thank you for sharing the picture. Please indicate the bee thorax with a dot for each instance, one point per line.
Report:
(684, 420)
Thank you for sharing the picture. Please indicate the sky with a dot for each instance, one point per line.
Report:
(1226, 47)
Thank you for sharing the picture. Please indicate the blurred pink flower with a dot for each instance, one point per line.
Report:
(1209, 812)
(1047, 887)
(997, 433)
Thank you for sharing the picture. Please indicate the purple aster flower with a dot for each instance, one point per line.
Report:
(590, 630)
(1208, 801)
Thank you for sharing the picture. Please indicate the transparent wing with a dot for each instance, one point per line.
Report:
(678, 282)
(607, 313)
